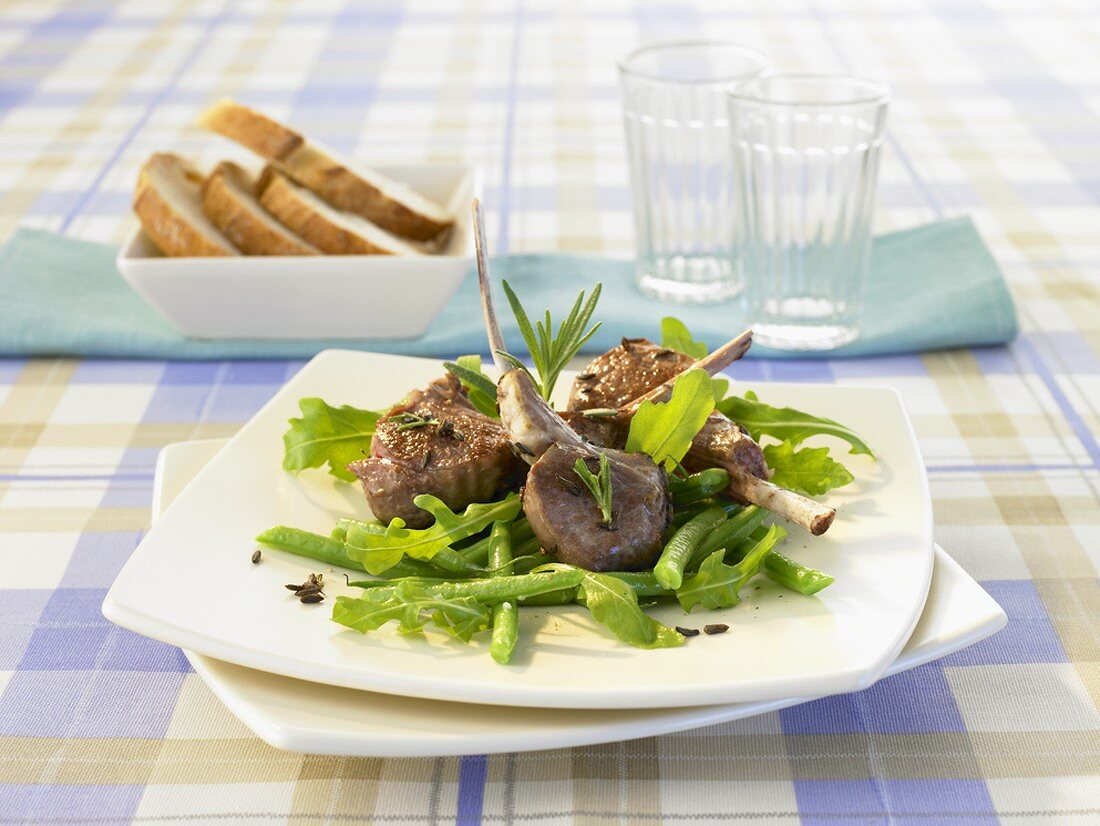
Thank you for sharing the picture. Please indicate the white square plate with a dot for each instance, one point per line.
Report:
(319, 719)
(327, 297)
(190, 582)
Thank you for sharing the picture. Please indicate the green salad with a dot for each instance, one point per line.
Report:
(472, 570)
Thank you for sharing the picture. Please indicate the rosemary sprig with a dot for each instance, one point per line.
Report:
(599, 485)
(408, 421)
(552, 351)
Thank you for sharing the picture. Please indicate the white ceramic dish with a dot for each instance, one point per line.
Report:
(309, 717)
(190, 583)
(328, 297)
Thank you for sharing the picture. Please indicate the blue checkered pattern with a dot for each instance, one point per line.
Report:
(996, 114)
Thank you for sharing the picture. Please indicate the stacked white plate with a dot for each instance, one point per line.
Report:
(303, 683)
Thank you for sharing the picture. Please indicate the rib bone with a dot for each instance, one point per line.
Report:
(713, 363)
(565, 519)
(531, 423)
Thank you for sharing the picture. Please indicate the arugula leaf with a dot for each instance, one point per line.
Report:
(676, 336)
(809, 470)
(325, 434)
(551, 351)
(716, 584)
(365, 615)
(479, 387)
(379, 551)
(599, 485)
(614, 604)
(462, 618)
(664, 430)
(412, 607)
(785, 423)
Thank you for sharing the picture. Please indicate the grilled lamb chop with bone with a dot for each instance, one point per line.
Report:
(638, 370)
(564, 516)
(434, 442)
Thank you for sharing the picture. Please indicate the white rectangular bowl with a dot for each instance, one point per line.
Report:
(328, 297)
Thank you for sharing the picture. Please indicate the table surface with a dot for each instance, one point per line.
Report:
(997, 114)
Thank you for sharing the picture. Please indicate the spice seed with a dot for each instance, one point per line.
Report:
(290, 587)
(310, 599)
(717, 628)
(309, 590)
(256, 556)
(688, 632)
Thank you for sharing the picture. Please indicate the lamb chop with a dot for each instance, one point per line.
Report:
(566, 518)
(434, 442)
(638, 370)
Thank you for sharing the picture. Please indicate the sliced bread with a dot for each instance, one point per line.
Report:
(168, 202)
(389, 204)
(328, 229)
(229, 200)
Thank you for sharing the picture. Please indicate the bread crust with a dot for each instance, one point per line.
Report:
(347, 190)
(170, 229)
(367, 194)
(228, 203)
(264, 136)
(279, 198)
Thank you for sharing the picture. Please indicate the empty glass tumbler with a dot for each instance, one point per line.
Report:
(676, 114)
(807, 153)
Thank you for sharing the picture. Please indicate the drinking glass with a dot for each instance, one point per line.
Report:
(680, 156)
(807, 152)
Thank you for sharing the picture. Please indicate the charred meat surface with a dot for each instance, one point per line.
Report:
(721, 443)
(568, 522)
(563, 513)
(434, 442)
(624, 373)
(601, 431)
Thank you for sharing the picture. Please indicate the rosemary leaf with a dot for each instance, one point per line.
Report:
(599, 485)
(551, 351)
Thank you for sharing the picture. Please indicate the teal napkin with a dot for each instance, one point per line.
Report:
(932, 287)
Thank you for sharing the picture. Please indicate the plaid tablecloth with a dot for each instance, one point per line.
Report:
(997, 114)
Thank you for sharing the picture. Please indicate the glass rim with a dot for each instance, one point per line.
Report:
(726, 79)
(877, 92)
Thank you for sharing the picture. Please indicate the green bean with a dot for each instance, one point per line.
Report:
(683, 515)
(505, 614)
(304, 543)
(669, 570)
(492, 590)
(416, 568)
(390, 584)
(522, 536)
(332, 552)
(644, 583)
(446, 560)
(566, 596)
(698, 486)
(727, 535)
(784, 570)
(455, 563)
(528, 562)
(797, 577)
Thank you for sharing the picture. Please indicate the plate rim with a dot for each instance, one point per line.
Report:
(301, 738)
